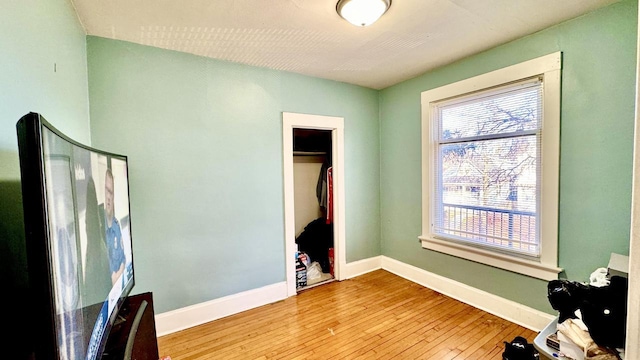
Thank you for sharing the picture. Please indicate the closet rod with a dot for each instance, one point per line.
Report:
(309, 153)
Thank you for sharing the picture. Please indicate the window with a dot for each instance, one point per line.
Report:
(490, 167)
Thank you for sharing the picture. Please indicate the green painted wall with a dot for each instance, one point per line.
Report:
(43, 68)
(598, 92)
(204, 141)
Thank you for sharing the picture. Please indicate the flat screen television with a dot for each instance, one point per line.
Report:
(78, 240)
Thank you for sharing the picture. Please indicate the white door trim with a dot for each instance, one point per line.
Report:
(292, 121)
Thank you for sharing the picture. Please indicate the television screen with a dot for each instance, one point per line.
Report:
(79, 251)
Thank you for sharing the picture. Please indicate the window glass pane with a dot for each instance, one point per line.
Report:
(489, 193)
(501, 113)
(499, 173)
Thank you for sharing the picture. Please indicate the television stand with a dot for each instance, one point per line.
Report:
(133, 335)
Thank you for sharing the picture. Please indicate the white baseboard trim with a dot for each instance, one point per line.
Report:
(360, 267)
(183, 318)
(509, 310)
(180, 319)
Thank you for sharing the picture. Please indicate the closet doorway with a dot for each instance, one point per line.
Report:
(313, 143)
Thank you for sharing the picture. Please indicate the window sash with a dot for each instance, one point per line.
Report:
(484, 226)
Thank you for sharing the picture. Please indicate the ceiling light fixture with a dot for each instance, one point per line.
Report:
(362, 12)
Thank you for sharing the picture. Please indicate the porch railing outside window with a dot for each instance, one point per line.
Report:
(512, 230)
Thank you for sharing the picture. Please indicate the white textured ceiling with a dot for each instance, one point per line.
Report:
(310, 38)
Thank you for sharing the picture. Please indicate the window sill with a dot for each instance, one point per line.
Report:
(522, 266)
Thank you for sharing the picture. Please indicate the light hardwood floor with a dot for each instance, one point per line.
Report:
(374, 316)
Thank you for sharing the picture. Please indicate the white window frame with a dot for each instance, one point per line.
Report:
(548, 67)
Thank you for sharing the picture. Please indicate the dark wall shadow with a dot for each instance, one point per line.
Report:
(13, 271)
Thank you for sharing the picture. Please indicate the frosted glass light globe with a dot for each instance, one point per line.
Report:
(362, 12)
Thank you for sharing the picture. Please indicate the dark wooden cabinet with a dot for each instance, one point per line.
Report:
(133, 335)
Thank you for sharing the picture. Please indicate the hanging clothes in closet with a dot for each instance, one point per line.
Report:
(330, 195)
(321, 188)
(324, 191)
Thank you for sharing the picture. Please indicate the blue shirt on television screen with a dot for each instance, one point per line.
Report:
(114, 244)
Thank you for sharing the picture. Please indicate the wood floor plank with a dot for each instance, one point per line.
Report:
(373, 316)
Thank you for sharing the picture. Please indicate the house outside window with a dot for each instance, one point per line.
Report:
(490, 167)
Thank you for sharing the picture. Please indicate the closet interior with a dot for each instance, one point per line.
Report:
(313, 202)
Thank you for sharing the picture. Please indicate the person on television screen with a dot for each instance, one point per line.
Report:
(97, 281)
(113, 232)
